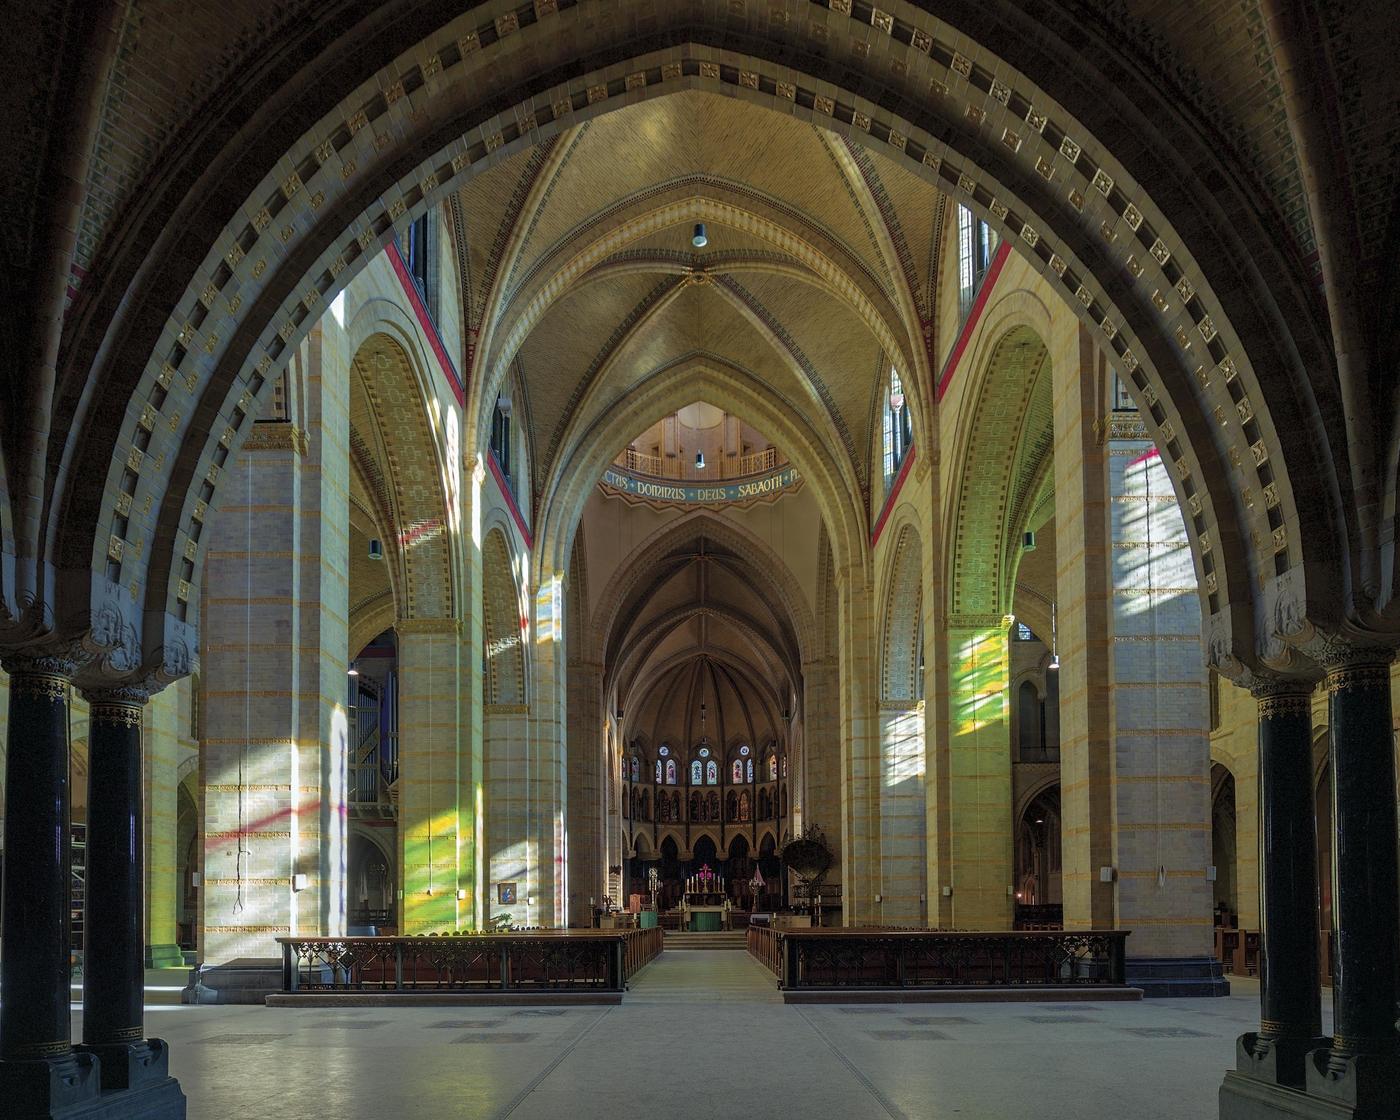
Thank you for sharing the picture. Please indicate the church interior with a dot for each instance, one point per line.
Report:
(537, 538)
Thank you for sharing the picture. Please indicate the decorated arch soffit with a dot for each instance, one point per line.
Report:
(948, 112)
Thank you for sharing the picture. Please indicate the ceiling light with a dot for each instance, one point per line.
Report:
(1054, 665)
(352, 671)
(699, 460)
(698, 238)
(376, 550)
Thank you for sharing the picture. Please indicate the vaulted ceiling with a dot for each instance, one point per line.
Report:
(580, 278)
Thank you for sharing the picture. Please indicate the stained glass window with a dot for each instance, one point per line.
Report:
(750, 769)
(737, 774)
(712, 773)
(772, 768)
(636, 768)
(658, 770)
(670, 771)
(784, 766)
(695, 773)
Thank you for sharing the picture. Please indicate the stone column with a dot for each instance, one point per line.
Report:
(431, 839)
(821, 758)
(161, 750)
(979, 783)
(1161, 746)
(1085, 644)
(547, 779)
(586, 790)
(39, 1071)
(1363, 1065)
(1289, 988)
(113, 966)
(860, 754)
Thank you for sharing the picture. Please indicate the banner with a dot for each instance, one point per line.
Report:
(666, 491)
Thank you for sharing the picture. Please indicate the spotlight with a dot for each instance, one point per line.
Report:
(699, 460)
(698, 238)
(376, 550)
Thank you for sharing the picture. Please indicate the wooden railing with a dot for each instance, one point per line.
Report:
(556, 960)
(886, 958)
(678, 467)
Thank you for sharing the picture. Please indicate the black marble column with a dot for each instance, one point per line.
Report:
(1365, 1049)
(1290, 985)
(39, 1071)
(113, 965)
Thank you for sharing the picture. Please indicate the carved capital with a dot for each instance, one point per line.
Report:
(1363, 671)
(121, 705)
(43, 676)
(1283, 698)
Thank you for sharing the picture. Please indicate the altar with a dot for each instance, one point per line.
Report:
(704, 904)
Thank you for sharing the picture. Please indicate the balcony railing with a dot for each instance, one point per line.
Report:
(888, 958)
(552, 960)
(722, 467)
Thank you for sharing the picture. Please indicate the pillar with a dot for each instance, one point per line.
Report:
(903, 859)
(113, 957)
(39, 1071)
(435, 853)
(860, 754)
(1362, 1067)
(821, 757)
(275, 609)
(979, 771)
(1161, 747)
(161, 754)
(586, 808)
(1085, 646)
(1289, 984)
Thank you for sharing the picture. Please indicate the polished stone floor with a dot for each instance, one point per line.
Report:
(702, 1034)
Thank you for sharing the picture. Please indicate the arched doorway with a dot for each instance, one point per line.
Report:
(1039, 883)
(1222, 843)
(370, 887)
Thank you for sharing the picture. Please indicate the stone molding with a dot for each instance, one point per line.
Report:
(277, 435)
(122, 706)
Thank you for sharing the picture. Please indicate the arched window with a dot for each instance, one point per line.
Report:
(750, 770)
(784, 766)
(636, 768)
(737, 772)
(772, 768)
(745, 805)
(670, 771)
(977, 244)
(500, 439)
(658, 771)
(784, 800)
(712, 773)
(695, 807)
(646, 804)
(629, 805)
(898, 428)
(731, 805)
(712, 806)
(696, 773)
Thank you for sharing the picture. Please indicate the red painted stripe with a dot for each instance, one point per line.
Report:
(510, 499)
(893, 497)
(1150, 453)
(426, 322)
(979, 301)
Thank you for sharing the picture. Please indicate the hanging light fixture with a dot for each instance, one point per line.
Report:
(1054, 665)
(352, 671)
(698, 238)
(699, 460)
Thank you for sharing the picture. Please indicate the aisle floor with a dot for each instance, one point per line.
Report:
(704, 1034)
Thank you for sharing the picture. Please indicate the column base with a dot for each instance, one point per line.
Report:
(48, 1086)
(1161, 977)
(132, 1065)
(1276, 1061)
(164, 956)
(1366, 1087)
(1246, 1098)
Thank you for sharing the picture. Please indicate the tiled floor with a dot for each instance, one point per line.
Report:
(703, 1034)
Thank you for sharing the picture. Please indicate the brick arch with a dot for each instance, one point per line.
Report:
(902, 631)
(420, 516)
(988, 129)
(501, 622)
(982, 570)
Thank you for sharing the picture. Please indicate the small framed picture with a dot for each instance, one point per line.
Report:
(505, 894)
